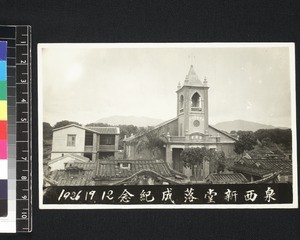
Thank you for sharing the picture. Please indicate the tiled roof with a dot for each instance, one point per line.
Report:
(226, 178)
(112, 169)
(74, 156)
(89, 166)
(142, 178)
(105, 130)
(86, 172)
(101, 130)
(270, 177)
(271, 151)
(262, 167)
(79, 174)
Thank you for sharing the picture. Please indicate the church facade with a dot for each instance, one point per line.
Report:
(189, 129)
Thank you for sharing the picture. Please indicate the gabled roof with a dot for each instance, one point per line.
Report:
(145, 173)
(106, 170)
(72, 155)
(172, 120)
(65, 178)
(262, 167)
(226, 178)
(268, 178)
(50, 181)
(155, 128)
(88, 166)
(99, 130)
(224, 133)
(112, 169)
(105, 130)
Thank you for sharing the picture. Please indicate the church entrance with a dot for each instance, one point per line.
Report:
(177, 162)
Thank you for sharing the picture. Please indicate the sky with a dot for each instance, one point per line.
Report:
(85, 83)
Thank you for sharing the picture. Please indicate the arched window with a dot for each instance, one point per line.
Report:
(196, 102)
(181, 102)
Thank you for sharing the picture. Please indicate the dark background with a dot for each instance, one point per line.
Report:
(154, 21)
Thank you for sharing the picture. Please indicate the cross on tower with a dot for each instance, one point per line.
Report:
(192, 59)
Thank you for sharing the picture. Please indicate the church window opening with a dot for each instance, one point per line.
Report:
(196, 102)
(181, 102)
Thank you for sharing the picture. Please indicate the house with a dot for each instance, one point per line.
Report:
(239, 178)
(226, 178)
(115, 172)
(60, 162)
(257, 169)
(74, 174)
(90, 142)
(189, 129)
(136, 172)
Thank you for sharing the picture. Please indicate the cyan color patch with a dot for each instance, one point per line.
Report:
(3, 71)
(3, 52)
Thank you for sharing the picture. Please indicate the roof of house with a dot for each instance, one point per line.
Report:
(135, 178)
(155, 128)
(79, 173)
(169, 121)
(72, 155)
(222, 132)
(99, 130)
(112, 169)
(266, 179)
(263, 167)
(66, 178)
(263, 151)
(89, 166)
(226, 178)
(105, 130)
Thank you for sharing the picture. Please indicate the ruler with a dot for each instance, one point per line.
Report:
(19, 120)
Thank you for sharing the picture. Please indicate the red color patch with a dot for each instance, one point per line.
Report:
(3, 129)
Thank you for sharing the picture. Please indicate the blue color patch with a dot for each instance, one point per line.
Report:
(3, 189)
(3, 51)
(3, 70)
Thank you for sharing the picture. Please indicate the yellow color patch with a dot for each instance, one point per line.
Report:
(3, 110)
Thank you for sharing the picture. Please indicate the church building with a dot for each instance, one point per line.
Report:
(189, 129)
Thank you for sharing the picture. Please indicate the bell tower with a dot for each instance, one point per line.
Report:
(192, 105)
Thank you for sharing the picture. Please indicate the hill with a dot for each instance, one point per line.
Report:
(130, 120)
(242, 125)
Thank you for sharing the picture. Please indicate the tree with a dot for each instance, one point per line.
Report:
(218, 161)
(47, 131)
(64, 123)
(151, 141)
(98, 125)
(278, 136)
(246, 141)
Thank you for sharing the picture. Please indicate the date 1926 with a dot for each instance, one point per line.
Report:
(76, 195)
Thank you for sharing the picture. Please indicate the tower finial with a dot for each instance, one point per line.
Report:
(192, 59)
(205, 81)
(178, 86)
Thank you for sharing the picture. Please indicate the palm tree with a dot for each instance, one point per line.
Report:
(151, 141)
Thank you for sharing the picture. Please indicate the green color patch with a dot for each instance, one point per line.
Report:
(3, 90)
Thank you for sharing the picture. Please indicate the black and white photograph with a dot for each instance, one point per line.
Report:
(167, 125)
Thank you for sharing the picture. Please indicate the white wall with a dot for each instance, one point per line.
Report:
(59, 143)
(58, 165)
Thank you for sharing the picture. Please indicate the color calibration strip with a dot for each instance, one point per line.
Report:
(19, 214)
(3, 129)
